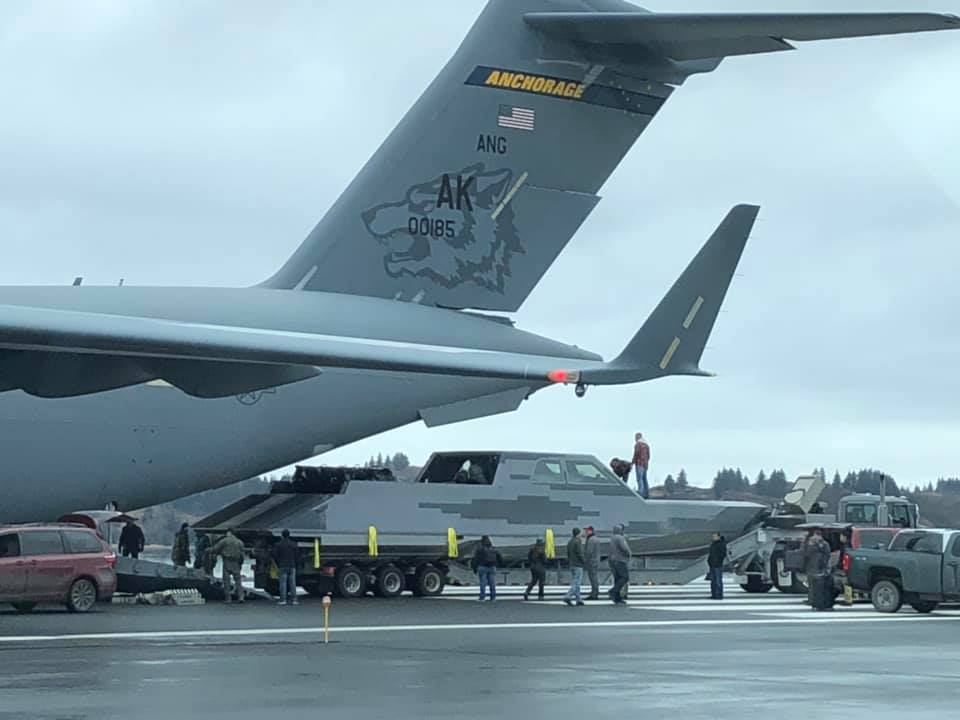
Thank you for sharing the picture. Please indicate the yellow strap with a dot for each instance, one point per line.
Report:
(372, 541)
(453, 549)
(551, 548)
(316, 553)
(274, 571)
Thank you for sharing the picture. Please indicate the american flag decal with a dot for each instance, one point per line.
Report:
(517, 118)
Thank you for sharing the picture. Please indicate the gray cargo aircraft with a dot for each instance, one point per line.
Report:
(141, 395)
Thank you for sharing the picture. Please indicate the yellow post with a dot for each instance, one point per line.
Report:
(326, 619)
(551, 549)
(847, 594)
(316, 553)
(453, 548)
(372, 541)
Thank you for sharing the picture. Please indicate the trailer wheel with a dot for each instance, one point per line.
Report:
(429, 581)
(755, 584)
(351, 582)
(390, 582)
(886, 596)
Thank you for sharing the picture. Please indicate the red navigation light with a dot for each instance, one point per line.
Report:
(563, 376)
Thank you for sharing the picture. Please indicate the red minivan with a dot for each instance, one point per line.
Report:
(64, 564)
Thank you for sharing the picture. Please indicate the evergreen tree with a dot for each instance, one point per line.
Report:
(778, 484)
(400, 462)
(762, 485)
(669, 485)
(929, 488)
(682, 483)
(379, 460)
(837, 482)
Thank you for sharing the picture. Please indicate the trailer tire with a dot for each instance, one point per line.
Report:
(351, 582)
(886, 596)
(390, 582)
(429, 581)
(756, 585)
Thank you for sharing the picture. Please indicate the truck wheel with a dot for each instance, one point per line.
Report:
(886, 596)
(351, 582)
(429, 581)
(82, 596)
(390, 582)
(755, 584)
(24, 607)
(924, 606)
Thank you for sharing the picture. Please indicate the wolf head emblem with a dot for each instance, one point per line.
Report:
(451, 229)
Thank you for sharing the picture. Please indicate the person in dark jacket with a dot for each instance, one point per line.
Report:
(485, 562)
(131, 540)
(816, 560)
(715, 561)
(591, 556)
(576, 561)
(537, 560)
(619, 560)
(180, 554)
(284, 554)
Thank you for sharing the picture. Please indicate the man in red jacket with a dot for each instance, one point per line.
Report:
(641, 461)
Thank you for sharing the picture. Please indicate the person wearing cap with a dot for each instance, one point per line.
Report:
(537, 560)
(591, 559)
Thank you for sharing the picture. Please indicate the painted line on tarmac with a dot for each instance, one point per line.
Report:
(261, 632)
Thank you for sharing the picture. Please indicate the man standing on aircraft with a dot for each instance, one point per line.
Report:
(576, 561)
(232, 550)
(131, 540)
(641, 461)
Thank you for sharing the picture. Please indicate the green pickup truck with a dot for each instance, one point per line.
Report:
(920, 568)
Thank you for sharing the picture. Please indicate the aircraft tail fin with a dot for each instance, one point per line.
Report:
(481, 185)
(673, 338)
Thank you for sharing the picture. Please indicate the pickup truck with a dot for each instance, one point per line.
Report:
(920, 567)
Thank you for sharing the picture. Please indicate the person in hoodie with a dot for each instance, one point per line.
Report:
(285, 555)
(485, 562)
(715, 560)
(619, 565)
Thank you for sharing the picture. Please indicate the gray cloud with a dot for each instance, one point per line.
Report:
(197, 143)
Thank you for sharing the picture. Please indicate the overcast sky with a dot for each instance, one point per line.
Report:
(196, 143)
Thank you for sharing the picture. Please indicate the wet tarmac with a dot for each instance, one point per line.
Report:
(671, 653)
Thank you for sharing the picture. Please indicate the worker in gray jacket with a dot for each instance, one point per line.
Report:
(619, 565)
(591, 559)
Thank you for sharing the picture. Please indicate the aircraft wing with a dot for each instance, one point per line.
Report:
(688, 36)
(59, 353)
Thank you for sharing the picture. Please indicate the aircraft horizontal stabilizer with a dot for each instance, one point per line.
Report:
(689, 36)
(210, 360)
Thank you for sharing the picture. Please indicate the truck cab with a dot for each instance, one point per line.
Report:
(872, 510)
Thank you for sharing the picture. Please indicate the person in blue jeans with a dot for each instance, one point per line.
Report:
(715, 560)
(485, 562)
(285, 556)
